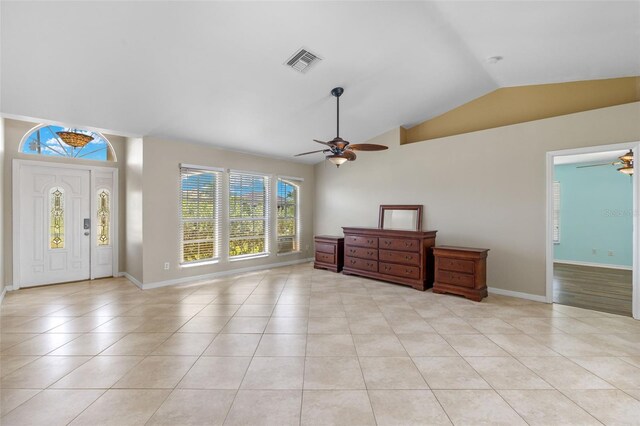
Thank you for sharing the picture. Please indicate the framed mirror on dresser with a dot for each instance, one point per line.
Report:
(402, 217)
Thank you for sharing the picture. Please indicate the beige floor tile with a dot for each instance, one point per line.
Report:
(120, 325)
(369, 325)
(266, 407)
(274, 373)
(391, 373)
(407, 407)
(10, 363)
(426, 345)
(282, 345)
(452, 325)
(326, 311)
(230, 299)
(546, 407)
(137, 344)
(330, 345)
(41, 344)
(204, 325)
(474, 345)
(521, 345)
(216, 373)
(562, 373)
(254, 310)
(473, 407)
(410, 325)
(39, 325)
(192, 344)
(506, 373)
(100, 372)
(81, 325)
(42, 372)
(286, 325)
(193, 407)
(162, 324)
(573, 326)
(8, 340)
(332, 373)
(89, 344)
(449, 373)
(246, 325)
(634, 393)
(218, 310)
(328, 325)
(633, 360)
(290, 311)
(233, 345)
(52, 407)
(157, 372)
(611, 407)
(122, 407)
(336, 407)
(572, 345)
(533, 325)
(378, 345)
(614, 370)
(12, 398)
(492, 326)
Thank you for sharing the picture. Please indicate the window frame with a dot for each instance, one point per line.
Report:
(218, 174)
(297, 183)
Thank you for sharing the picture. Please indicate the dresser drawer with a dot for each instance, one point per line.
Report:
(364, 264)
(326, 248)
(458, 265)
(399, 270)
(325, 257)
(361, 241)
(406, 257)
(362, 252)
(455, 278)
(400, 244)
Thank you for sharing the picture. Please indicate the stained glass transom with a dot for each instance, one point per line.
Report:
(58, 141)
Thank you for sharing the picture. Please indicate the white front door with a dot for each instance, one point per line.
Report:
(55, 225)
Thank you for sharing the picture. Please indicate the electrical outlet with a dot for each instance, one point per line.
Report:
(594, 251)
(610, 253)
(166, 266)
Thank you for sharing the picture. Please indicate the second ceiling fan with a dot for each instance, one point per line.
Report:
(338, 149)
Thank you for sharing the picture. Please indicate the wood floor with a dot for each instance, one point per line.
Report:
(600, 289)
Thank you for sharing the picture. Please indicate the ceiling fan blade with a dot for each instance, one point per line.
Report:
(323, 143)
(367, 147)
(599, 165)
(310, 152)
(349, 155)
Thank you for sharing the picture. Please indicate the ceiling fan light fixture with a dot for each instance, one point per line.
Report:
(337, 159)
(628, 157)
(627, 170)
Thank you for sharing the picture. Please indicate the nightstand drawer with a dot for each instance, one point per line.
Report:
(399, 270)
(455, 278)
(326, 248)
(325, 257)
(362, 252)
(399, 244)
(457, 265)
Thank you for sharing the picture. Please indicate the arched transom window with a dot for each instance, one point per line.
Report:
(58, 141)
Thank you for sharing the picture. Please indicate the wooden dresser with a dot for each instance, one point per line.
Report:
(329, 252)
(462, 271)
(401, 257)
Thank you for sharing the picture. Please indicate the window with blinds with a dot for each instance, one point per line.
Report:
(288, 216)
(199, 214)
(248, 214)
(556, 212)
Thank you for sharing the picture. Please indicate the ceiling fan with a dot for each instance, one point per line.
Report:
(626, 160)
(338, 149)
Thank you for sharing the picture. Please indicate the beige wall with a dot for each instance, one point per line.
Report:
(161, 184)
(483, 189)
(133, 227)
(14, 130)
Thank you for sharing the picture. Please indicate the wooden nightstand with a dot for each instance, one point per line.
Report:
(461, 270)
(329, 252)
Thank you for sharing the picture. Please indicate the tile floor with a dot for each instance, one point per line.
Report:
(296, 345)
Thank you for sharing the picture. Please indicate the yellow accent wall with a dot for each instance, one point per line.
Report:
(512, 105)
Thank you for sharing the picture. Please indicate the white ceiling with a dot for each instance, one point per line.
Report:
(592, 157)
(212, 72)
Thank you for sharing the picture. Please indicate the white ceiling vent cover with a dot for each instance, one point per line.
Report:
(302, 60)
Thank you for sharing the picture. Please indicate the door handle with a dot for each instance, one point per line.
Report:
(86, 233)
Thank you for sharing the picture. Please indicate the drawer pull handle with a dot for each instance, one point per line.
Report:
(370, 253)
(407, 257)
(406, 271)
(387, 243)
(353, 261)
(369, 264)
(386, 268)
(352, 250)
(408, 244)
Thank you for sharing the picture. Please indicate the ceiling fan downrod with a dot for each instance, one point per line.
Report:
(337, 92)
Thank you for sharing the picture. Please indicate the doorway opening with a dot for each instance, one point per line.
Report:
(592, 236)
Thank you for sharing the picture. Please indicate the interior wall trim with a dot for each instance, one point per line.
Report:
(518, 294)
(189, 280)
(512, 105)
(594, 264)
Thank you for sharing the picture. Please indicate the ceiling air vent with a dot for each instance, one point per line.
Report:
(302, 60)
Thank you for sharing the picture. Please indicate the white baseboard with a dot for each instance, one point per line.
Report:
(595, 265)
(188, 280)
(518, 294)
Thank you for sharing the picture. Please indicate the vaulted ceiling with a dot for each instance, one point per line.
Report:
(212, 72)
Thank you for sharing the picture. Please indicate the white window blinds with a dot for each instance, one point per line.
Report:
(556, 212)
(199, 214)
(248, 214)
(288, 220)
